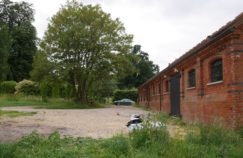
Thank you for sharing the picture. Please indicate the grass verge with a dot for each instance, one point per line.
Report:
(200, 141)
(15, 113)
(210, 142)
(36, 101)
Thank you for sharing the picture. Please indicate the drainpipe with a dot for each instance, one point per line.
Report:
(160, 95)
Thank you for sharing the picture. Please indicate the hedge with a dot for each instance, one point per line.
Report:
(7, 87)
(127, 93)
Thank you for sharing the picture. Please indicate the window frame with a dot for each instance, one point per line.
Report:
(191, 81)
(216, 70)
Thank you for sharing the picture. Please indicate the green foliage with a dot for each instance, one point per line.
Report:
(52, 87)
(240, 131)
(45, 90)
(148, 142)
(145, 69)
(42, 68)
(27, 87)
(7, 87)
(149, 136)
(167, 119)
(216, 141)
(15, 113)
(117, 146)
(37, 102)
(126, 93)
(104, 89)
(4, 52)
(18, 17)
(86, 47)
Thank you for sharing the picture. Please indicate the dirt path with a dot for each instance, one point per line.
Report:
(95, 123)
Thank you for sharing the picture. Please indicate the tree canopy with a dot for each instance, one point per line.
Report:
(87, 47)
(145, 69)
(17, 18)
(4, 52)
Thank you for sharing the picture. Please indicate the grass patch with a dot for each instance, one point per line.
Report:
(210, 142)
(15, 113)
(167, 119)
(36, 101)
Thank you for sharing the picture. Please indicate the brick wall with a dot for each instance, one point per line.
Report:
(220, 102)
(207, 102)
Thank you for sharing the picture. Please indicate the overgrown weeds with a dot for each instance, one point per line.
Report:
(205, 141)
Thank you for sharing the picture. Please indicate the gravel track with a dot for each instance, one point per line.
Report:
(95, 123)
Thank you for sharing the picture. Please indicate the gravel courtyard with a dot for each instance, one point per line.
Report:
(95, 123)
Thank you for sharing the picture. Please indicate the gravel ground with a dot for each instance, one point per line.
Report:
(95, 123)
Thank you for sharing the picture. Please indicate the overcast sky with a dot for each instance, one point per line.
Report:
(166, 29)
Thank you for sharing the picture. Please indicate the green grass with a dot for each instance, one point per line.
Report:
(202, 141)
(209, 142)
(36, 101)
(15, 113)
(167, 119)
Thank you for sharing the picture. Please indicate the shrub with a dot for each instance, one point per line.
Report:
(128, 93)
(54, 88)
(45, 90)
(7, 87)
(27, 87)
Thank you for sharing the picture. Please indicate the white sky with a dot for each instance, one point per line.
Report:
(166, 29)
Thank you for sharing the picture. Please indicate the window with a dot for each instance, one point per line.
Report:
(192, 78)
(216, 69)
(166, 86)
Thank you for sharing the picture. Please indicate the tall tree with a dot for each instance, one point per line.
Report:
(86, 46)
(145, 69)
(4, 53)
(18, 18)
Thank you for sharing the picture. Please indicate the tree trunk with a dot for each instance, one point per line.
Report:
(83, 98)
(82, 93)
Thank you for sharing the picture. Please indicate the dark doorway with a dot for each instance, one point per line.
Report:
(175, 95)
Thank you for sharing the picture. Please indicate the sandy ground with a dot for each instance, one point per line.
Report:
(95, 123)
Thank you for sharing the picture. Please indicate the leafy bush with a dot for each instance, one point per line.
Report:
(7, 87)
(54, 88)
(128, 93)
(45, 90)
(27, 87)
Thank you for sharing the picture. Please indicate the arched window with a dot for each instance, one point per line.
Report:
(192, 78)
(216, 70)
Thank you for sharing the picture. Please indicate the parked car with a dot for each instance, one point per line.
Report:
(124, 102)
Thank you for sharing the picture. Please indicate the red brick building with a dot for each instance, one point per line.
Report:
(206, 83)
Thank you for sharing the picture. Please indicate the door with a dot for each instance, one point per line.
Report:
(175, 95)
